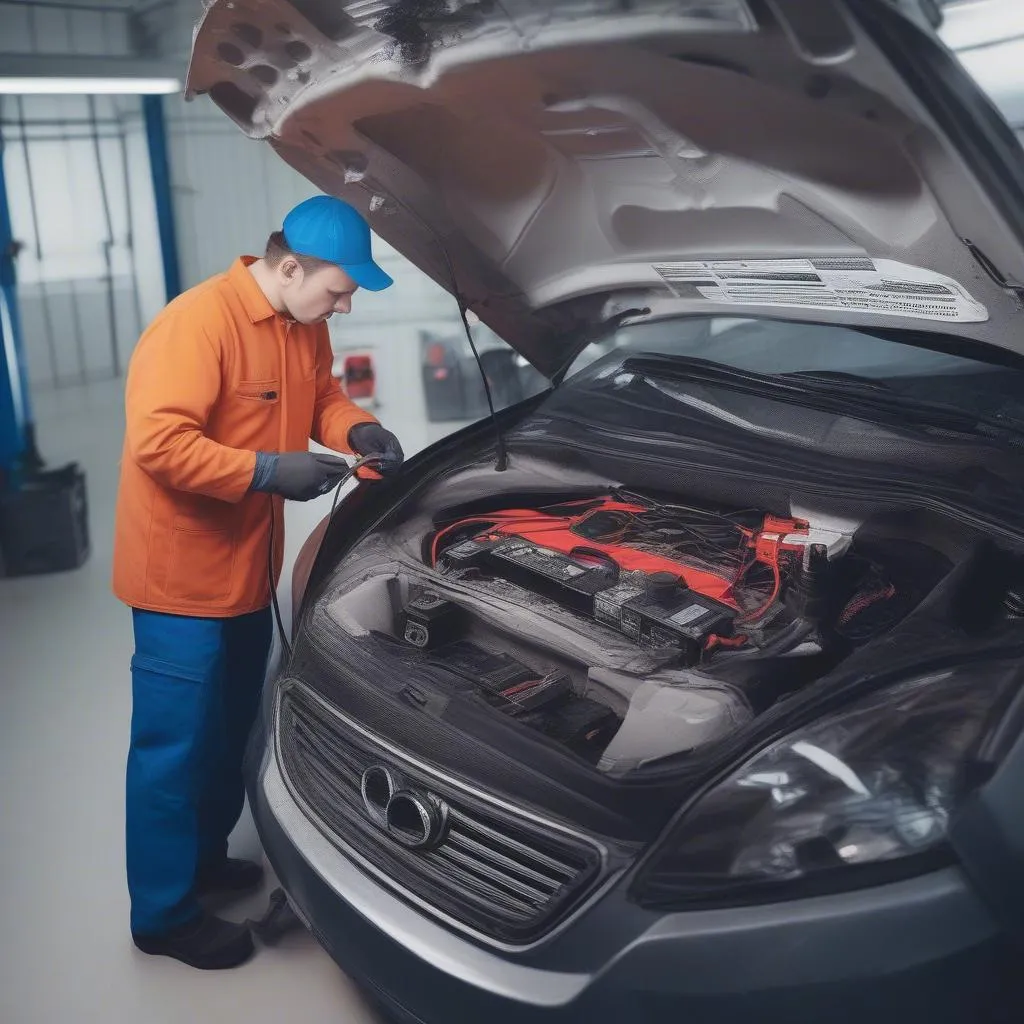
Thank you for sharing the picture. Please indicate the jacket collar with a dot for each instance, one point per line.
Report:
(255, 302)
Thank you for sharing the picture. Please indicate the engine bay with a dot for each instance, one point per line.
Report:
(623, 626)
(685, 581)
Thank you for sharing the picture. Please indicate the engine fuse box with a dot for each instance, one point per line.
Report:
(668, 615)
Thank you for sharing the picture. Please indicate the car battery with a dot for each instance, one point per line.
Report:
(608, 604)
(466, 555)
(668, 615)
(583, 725)
(561, 578)
(428, 621)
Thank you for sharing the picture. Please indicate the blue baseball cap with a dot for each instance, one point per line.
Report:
(331, 230)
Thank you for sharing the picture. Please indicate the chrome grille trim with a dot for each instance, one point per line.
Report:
(503, 875)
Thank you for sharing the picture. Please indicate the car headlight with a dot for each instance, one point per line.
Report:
(871, 786)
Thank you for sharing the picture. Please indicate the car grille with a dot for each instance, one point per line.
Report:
(497, 873)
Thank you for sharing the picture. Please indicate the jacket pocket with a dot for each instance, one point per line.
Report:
(201, 562)
(265, 391)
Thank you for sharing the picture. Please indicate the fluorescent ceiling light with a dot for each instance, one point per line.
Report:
(26, 85)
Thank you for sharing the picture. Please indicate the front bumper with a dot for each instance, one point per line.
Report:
(914, 950)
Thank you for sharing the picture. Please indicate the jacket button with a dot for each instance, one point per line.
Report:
(270, 395)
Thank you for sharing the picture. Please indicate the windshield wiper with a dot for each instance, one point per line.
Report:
(831, 392)
(839, 379)
(934, 414)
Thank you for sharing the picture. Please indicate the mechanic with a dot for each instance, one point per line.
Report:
(224, 391)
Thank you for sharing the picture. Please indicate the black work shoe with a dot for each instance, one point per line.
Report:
(208, 943)
(229, 876)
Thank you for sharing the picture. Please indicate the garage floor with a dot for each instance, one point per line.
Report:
(65, 706)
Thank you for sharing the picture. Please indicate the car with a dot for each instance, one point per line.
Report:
(453, 380)
(688, 688)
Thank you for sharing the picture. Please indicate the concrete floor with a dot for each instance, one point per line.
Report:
(65, 706)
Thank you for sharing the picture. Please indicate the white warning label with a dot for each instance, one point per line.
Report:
(859, 284)
(689, 614)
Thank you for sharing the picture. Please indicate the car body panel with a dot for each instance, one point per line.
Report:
(926, 945)
(931, 944)
(988, 832)
(553, 165)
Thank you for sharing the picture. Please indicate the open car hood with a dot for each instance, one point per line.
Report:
(558, 163)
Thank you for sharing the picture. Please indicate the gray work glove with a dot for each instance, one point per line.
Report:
(298, 476)
(373, 439)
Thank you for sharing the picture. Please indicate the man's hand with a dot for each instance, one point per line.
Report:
(298, 476)
(373, 439)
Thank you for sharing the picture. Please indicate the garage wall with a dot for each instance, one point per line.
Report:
(53, 157)
(54, 148)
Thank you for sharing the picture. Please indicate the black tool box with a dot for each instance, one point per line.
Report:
(44, 524)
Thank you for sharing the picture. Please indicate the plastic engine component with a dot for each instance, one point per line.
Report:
(428, 621)
(671, 719)
(530, 696)
(490, 671)
(583, 725)
(560, 577)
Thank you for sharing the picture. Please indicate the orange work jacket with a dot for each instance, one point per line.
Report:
(215, 378)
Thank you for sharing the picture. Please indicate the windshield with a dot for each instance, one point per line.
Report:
(776, 347)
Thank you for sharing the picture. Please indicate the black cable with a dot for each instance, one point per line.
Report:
(76, 317)
(501, 457)
(130, 228)
(33, 208)
(108, 242)
(286, 647)
(788, 639)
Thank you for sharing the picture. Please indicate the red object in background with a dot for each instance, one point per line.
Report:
(436, 354)
(359, 377)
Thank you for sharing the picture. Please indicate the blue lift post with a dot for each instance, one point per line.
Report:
(43, 515)
(44, 521)
(17, 434)
(156, 141)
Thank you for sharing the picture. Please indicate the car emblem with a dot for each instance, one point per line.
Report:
(413, 818)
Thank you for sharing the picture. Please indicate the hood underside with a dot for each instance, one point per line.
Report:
(558, 163)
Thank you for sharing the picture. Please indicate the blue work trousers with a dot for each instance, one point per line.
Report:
(196, 686)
